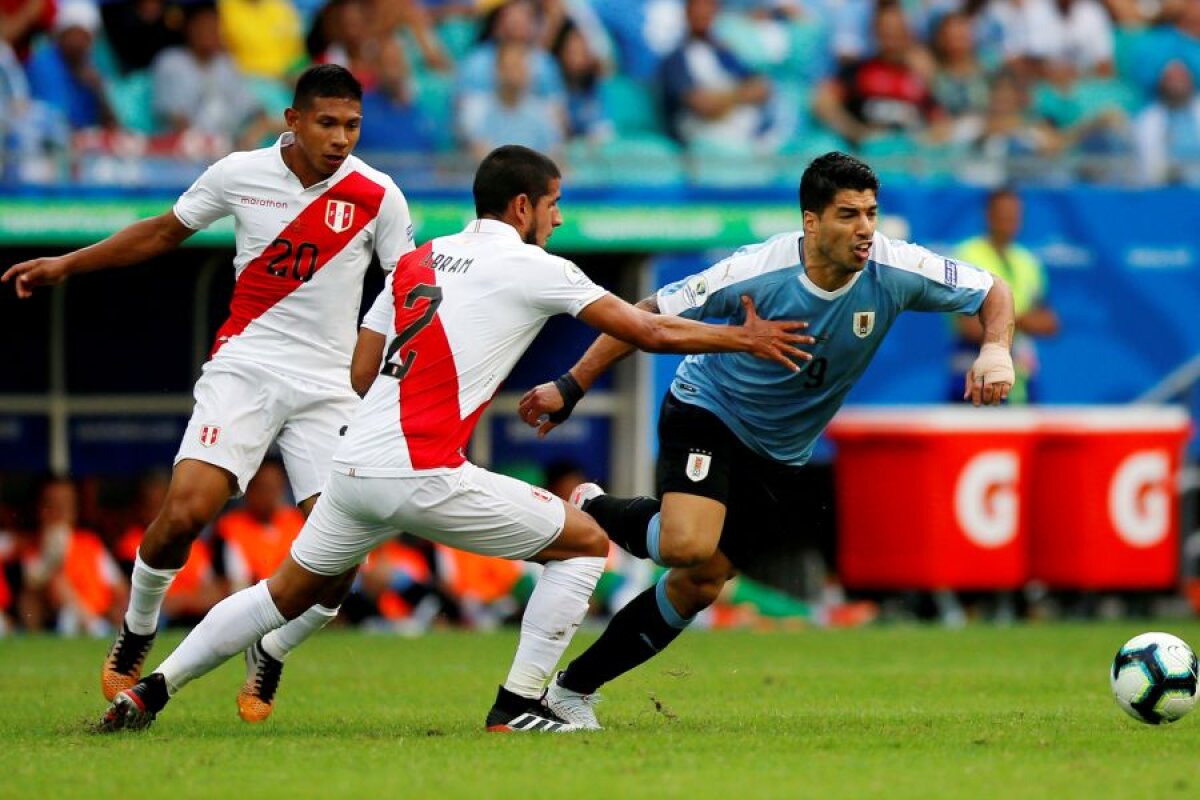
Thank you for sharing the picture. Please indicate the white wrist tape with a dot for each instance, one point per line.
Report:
(994, 365)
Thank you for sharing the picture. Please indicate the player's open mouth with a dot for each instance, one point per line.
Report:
(335, 160)
(863, 250)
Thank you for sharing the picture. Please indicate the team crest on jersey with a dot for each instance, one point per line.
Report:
(339, 215)
(209, 434)
(541, 494)
(864, 323)
(697, 466)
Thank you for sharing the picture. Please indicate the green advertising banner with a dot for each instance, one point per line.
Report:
(587, 227)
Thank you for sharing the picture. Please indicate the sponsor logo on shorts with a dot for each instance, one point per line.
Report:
(541, 494)
(209, 434)
(697, 466)
(339, 215)
(864, 323)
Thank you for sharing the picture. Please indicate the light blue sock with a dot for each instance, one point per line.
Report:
(653, 533)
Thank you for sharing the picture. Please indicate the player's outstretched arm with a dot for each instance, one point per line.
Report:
(991, 376)
(142, 240)
(628, 327)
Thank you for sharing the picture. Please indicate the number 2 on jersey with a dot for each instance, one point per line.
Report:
(422, 290)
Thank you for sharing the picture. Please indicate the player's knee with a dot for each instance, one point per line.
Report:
(685, 550)
(695, 592)
(181, 519)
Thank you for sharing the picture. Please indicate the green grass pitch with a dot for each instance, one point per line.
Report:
(885, 712)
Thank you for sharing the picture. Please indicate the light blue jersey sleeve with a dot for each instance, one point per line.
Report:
(717, 291)
(922, 280)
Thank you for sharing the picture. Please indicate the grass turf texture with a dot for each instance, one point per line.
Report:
(881, 712)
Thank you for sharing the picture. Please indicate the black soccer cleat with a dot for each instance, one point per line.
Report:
(512, 713)
(123, 666)
(136, 707)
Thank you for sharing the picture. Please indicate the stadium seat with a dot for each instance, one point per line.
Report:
(132, 99)
(632, 106)
(643, 160)
(273, 95)
(435, 97)
(458, 35)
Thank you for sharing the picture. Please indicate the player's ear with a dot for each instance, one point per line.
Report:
(811, 218)
(292, 117)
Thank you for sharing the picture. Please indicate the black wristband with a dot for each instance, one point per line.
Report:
(571, 393)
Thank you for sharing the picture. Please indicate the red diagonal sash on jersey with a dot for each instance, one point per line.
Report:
(430, 416)
(328, 223)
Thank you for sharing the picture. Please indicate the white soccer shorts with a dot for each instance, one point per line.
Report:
(467, 508)
(242, 407)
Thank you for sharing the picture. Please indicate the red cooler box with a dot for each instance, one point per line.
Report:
(1105, 500)
(933, 497)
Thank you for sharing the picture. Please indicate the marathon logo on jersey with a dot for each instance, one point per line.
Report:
(697, 466)
(541, 494)
(864, 323)
(339, 215)
(209, 434)
(951, 272)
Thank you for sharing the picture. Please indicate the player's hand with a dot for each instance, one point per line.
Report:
(38, 272)
(774, 339)
(537, 405)
(991, 377)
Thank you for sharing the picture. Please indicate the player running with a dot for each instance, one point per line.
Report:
(733, 431)
(308, 215)
(458, 312)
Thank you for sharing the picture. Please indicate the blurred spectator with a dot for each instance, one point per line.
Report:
(345, 33)
(264, 37)
(1077, 33)
(960, 85)
(562, 477)
(398, 588)
(257, 535)
(483, 586)
(1167, 132)
(23, 20)
(997, 251)
(513, 114)
(9, 567)
(388, 16)
(886, 93)
(1009, 128)
(65, 76)
(32, 133)
(69, 576)
(392, 119)
(709, 94)
(139, 30)
(195, 589)
(509, 22)
(1179, 40)
(560, 15)
(582, 71)
(198, 89)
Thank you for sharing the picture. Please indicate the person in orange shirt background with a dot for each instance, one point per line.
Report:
(257, 535)
(69, 576)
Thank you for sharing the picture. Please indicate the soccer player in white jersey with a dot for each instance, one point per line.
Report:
(732, 432)
(308, 216)
(457, 314)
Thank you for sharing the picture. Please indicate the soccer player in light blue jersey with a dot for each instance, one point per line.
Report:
(733, 431)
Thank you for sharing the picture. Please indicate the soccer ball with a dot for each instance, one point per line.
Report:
(1154, 678)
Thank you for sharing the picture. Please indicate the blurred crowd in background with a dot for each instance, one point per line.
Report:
(66, 555)
(714, 92)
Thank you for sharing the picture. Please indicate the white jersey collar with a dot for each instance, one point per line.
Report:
(286, 139)
(493, 226)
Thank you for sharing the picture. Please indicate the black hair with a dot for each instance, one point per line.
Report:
(829, 174)
(326, 80)
(509, 171)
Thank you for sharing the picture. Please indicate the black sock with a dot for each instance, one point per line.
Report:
(636, 634)
(154, 693)
(624, 520)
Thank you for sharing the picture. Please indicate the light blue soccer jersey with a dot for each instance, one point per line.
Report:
(778, 413)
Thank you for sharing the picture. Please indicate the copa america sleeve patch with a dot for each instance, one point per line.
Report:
(951, 272)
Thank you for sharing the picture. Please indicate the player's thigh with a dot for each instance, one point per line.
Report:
(348, 522)
(696, 458)
(239, 410)
(762, 513)
(481, 512)
(311, 434)
(581, 536)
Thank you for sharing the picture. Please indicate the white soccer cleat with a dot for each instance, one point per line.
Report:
(576, 708)
(584, 492)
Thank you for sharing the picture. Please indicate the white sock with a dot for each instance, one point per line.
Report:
(230, 627)
(556, 607)
(148, 587)
(281, 641)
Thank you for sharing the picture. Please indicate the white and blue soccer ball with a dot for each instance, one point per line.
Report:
(1154, 678)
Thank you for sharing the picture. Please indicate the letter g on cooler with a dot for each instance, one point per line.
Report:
(986, 505)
